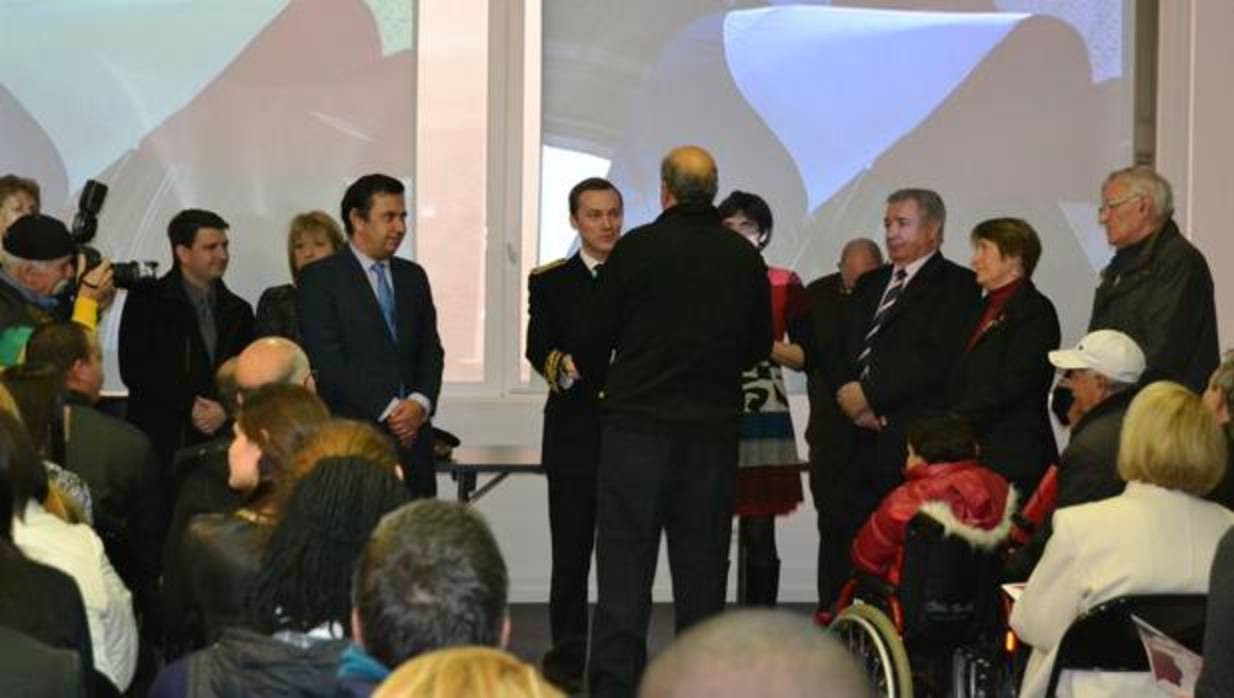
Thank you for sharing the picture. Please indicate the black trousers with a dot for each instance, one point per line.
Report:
(419, 468)
(676, 480)
(572, 522)
(846, 491)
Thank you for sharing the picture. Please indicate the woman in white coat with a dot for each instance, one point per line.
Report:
(1158, 537)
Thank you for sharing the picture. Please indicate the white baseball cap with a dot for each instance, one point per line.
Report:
(1108, 352)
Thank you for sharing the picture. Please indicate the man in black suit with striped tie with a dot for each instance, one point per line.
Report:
(906, 326)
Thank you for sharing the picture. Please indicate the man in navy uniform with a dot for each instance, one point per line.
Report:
(570, 447)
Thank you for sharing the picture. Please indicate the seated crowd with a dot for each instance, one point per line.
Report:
(261, 541)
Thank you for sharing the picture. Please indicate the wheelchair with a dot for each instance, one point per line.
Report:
(941, 631)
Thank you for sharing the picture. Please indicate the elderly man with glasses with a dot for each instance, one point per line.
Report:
(1157, 288)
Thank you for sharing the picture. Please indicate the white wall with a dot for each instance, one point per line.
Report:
(517, 509)
(1195, 143)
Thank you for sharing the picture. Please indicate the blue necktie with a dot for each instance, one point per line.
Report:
(385, 297)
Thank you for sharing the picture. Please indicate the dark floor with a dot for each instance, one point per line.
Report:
(530, 637)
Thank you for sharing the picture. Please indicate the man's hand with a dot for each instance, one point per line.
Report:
(208, 415)
(96, 283)
(405, 421)
(852, 400)
(869, 420)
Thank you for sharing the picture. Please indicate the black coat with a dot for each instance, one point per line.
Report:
(43, 603)
(360, 368)
(828, 431)
(911, 357)
(1160, 293)
(1001, 386)
(558, 294)
(683, 303)
(163, 358)
(1087, 472)
(34, 669)
(117, 462)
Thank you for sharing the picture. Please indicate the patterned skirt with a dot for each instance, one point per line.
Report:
(769, 471)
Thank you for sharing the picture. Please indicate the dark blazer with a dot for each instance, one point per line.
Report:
(558, 294)
(911, 356)
(1001, 386)
(1160, 292)
(163, 358)
(359, 366)
(43, 603)
(130, 509)
(822, 327)
(32, 669)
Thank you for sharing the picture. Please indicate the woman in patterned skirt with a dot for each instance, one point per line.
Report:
(769, 472)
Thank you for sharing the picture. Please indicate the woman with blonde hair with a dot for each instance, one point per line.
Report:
(1158, 537)
(480, 672)
(310, 237)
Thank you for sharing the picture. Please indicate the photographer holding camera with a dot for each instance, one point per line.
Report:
(41, 267)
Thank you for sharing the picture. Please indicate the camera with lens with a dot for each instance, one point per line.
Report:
(126, 275)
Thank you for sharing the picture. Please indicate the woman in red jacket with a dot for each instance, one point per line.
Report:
(943, 480)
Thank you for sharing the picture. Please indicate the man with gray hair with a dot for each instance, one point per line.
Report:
(905, 327)
(1158, 288)
(273, 360)
(680, 310)
(755, 653)
(1103, 372)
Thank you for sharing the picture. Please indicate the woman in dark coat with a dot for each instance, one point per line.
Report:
(310, 237)
(1001, 383)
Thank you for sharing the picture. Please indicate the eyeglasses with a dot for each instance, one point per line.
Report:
(1107, 206)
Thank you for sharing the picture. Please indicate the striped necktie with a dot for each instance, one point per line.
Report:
(889, 300)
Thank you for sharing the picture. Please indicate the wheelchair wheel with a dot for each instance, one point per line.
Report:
(871, 636)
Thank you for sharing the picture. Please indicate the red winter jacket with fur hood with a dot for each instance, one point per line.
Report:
(971, 502)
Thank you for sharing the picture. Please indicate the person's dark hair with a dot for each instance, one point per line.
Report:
(929, 203)
(20, 466)
(11, 184)
(751, 206)
(1013, 237)
(182, 230)
(359, 196)
(430, 577)
(59, 344)
(306, 569)
(592, 184)
(38, 390)
(689, 185)
(942, 438)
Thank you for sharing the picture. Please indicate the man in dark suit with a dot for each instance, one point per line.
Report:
(570, 447)
(370, 328)
(113, 457)
(906, 327)
(828, 428)
(177, 332)
(679, 311)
